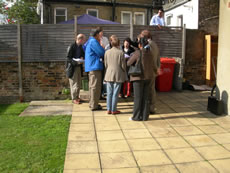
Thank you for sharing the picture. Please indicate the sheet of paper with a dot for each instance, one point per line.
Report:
(78, 60)
(127, 56)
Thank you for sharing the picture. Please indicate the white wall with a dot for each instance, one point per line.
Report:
(190, 12)
(223, 64)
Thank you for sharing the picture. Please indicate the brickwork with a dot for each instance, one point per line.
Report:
(41, 81)
(104, 12)
(132, 10)
(209, 16)
(8, 79)
(195, 64)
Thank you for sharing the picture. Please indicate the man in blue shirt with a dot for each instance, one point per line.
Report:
(158, 19)
(94, 55)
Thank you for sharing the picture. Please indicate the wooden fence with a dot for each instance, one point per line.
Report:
(49, 42)
(28, 45)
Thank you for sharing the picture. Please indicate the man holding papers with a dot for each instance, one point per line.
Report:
(76, 56)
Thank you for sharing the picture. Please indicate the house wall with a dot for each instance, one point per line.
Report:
(195, 64)
(223, 64)
(209, 16)
(105, 12)
(189, 11)
(132, 10)
(197, 14)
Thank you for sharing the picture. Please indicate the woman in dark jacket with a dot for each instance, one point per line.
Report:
(128, 50)
(141, 83)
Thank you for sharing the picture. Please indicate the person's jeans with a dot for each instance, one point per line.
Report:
(113, 90)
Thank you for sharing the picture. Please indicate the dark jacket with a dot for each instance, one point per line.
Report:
(130, 50)
(147, 65)
(75, 51)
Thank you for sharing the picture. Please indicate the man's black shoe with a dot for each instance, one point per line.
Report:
(99, 107)
(152, 112)
(102, 98)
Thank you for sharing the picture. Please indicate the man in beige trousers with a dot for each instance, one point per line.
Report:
(94, 55)
(75, 56)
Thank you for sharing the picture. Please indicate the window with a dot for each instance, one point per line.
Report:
(180, 21)
(126, 17)
(92, 12)
(139, 18)
(169, 19)
(60, 15)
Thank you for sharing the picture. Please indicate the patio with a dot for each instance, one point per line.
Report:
(182, 137)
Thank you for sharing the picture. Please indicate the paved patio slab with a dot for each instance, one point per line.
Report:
(182, 137)
(48, 108)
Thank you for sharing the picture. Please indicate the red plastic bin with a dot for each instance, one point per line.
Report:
(165, 79)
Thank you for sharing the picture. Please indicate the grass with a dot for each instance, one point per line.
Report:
(31, 144)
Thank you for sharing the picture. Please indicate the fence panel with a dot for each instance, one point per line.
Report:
(41, 43)
(8, 43)
(168, 39)
(49, 42)
(121, 31)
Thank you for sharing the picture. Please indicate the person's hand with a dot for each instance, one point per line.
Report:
(159, 26)
(159, 72)
(102, 44)
(81, 59)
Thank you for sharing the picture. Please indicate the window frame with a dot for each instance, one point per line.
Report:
(55, 11)
(136, 13)
(92, 9)
(127, 12)
(181, 19)
(169, 16)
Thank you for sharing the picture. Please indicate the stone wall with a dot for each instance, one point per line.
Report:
(209, 16)
(41, 81)
(195, 63)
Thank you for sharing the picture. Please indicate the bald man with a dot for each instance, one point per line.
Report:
(76, 51)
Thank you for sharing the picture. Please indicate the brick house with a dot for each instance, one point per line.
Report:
(196, 14)
(122, 11)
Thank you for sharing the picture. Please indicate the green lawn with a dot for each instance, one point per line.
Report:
(31, 144)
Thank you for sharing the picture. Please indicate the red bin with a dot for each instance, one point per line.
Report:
(165, 79)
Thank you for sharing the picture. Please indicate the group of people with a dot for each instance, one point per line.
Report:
(106, 61)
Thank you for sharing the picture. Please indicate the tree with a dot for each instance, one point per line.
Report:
(23, 11)
(3, 10)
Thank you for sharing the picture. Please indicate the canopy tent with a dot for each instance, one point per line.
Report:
(88, 19)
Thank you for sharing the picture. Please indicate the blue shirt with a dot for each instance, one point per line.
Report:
(94, 54)
(157, 20)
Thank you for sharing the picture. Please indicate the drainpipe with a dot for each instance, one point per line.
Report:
(182, 63)
(113, 10)
(42, 12)
(149, 15)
